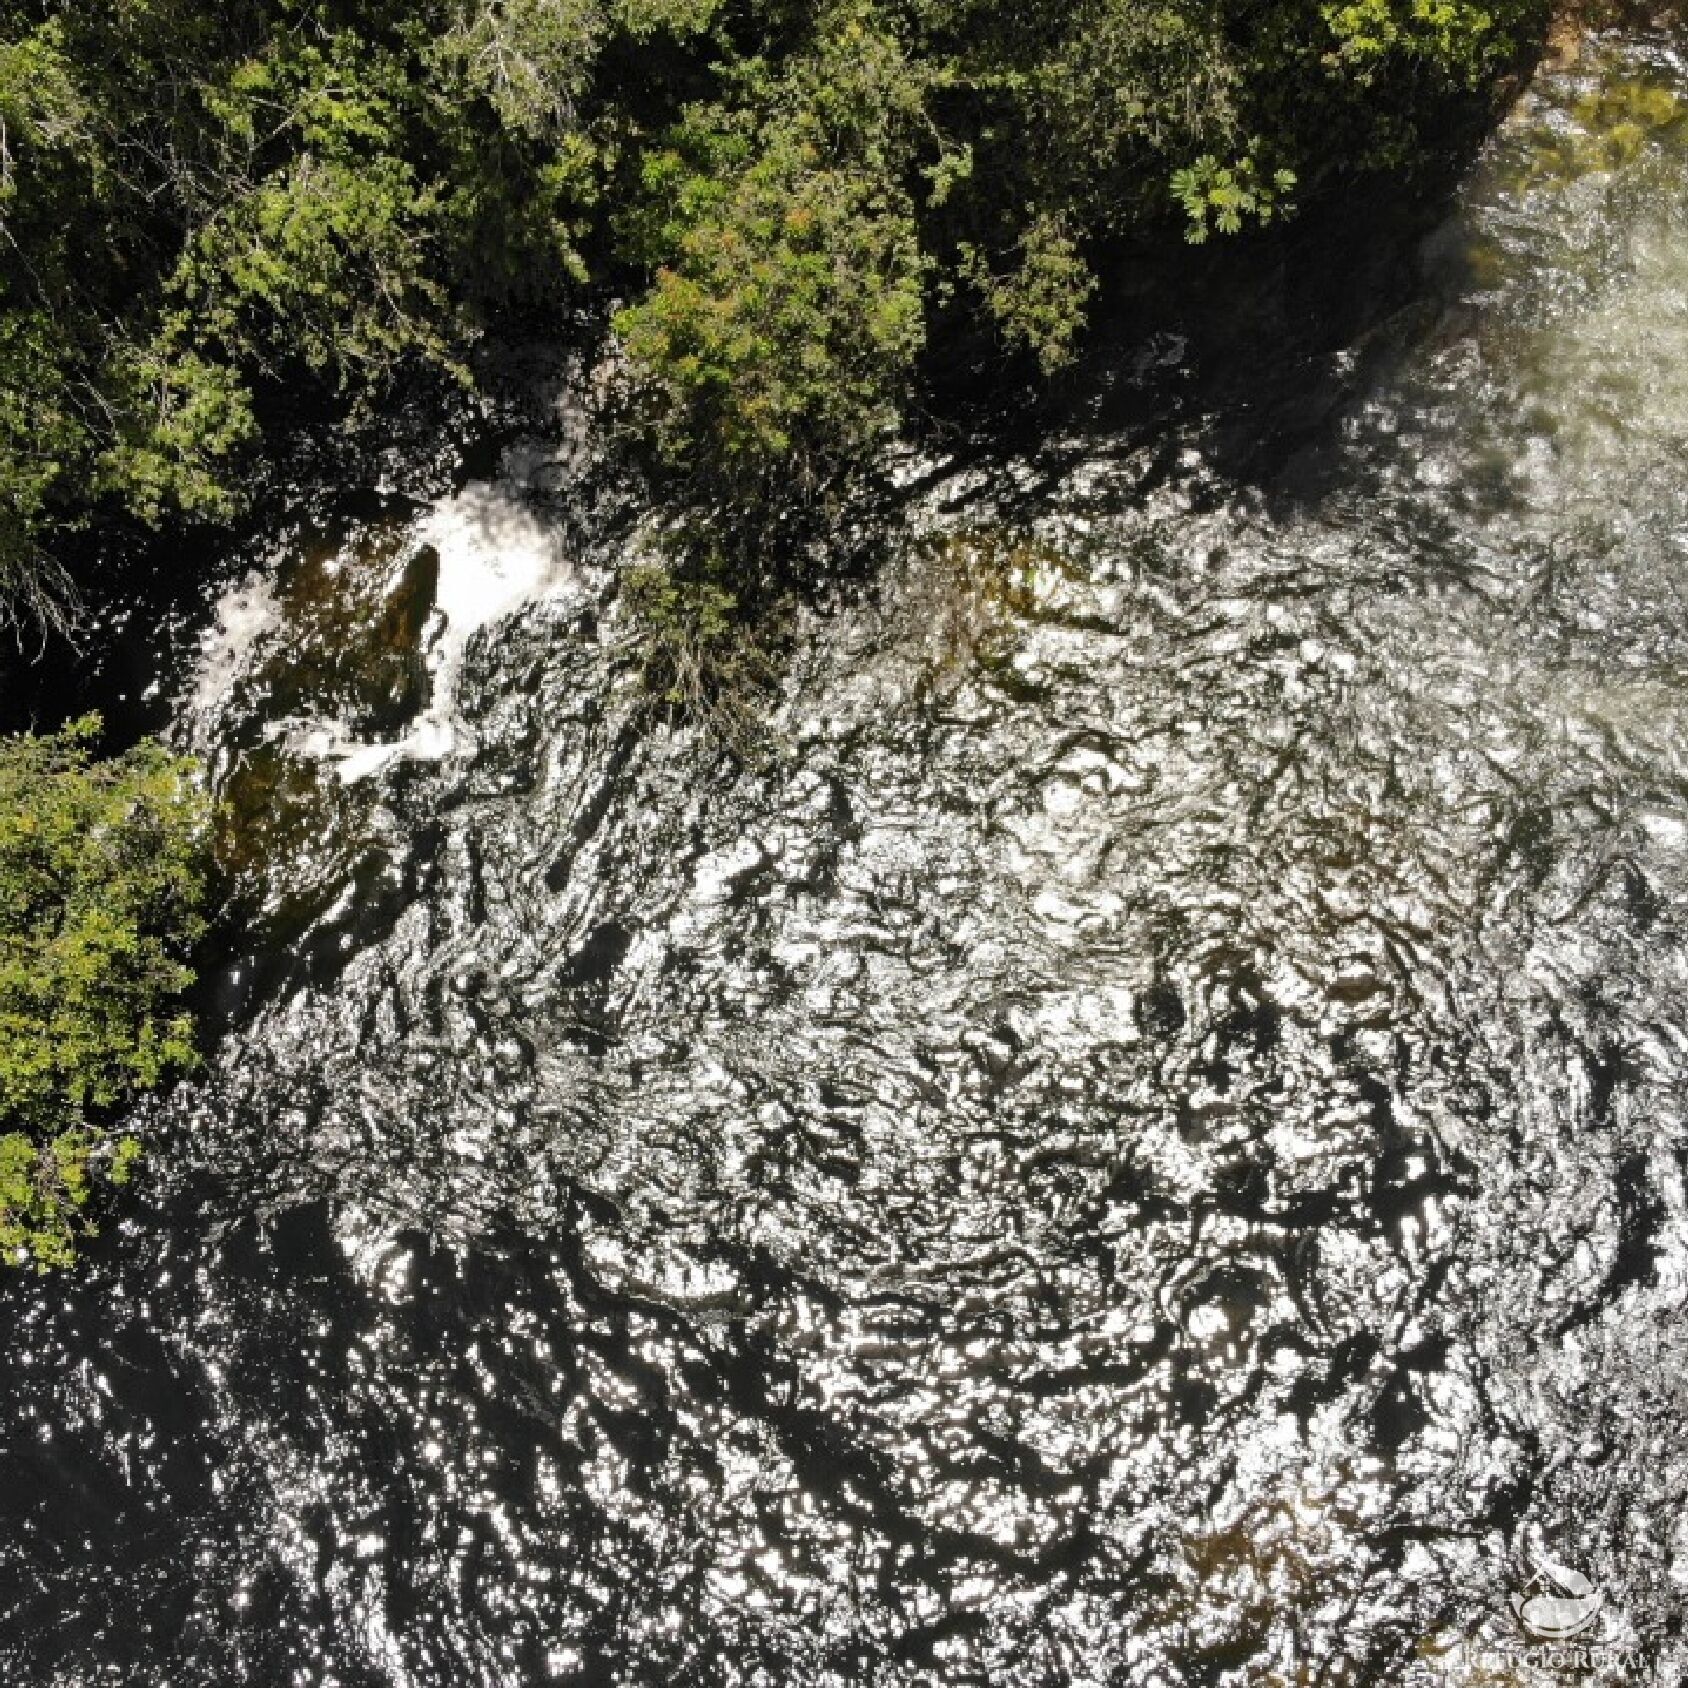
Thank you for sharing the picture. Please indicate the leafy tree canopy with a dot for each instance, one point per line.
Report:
(100, 889)
(202, 207)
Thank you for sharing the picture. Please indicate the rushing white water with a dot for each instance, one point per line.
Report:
(493, 554)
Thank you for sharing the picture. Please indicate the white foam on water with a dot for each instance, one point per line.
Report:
(496, 554)
(245, 613)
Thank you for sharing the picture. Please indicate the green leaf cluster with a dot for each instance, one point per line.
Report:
(788, 308)
(1223, 197)
(100, 904)
(209, 213)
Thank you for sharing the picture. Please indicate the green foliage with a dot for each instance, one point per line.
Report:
(1224, 197)
(698, 655)
(1460, 41)
(1040, 304)
(530, 59)
(202, 205)
(781, 335)
(799, 230)
(100, 894)
(43, 117)
(44, 443)
(785, 318)
(181, 419)
(1125, 93)
(684, 628)
(323, 258)
(206, 210)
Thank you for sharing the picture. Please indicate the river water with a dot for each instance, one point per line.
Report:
(1138, 1139)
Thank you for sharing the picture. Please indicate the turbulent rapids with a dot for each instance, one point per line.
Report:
(1141, 1140)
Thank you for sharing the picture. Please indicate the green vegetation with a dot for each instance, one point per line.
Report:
(209, 210)
(214, 219)
(99, 906)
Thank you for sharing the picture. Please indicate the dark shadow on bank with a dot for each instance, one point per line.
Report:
(1253, 350)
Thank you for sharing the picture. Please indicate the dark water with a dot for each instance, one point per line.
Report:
(1141, 1142)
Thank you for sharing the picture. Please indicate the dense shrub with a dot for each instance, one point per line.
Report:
(202, 206)
(100, 890)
